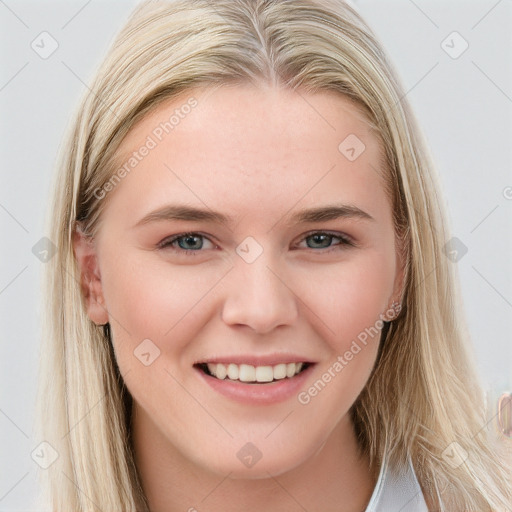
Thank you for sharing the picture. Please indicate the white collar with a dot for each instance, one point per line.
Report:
(396, 491)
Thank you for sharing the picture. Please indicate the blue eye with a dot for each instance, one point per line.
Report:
(189, 244)
(320, 237)
(192, 240)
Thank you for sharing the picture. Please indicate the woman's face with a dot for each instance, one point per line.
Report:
(290, 258)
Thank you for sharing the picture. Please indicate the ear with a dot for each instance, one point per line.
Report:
(90, 278)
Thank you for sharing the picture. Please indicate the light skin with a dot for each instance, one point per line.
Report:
(258, 154)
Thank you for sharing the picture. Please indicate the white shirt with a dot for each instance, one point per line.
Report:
(397, 492)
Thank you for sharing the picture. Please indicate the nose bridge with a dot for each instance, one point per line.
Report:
(257, 295)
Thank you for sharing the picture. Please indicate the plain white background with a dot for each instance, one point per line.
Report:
(463, 104)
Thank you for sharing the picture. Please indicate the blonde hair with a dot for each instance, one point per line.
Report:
(424, 392)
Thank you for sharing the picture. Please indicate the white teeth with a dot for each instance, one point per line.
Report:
(280, 371)
(249, 373)
(221, 371)
(290, 369)
(264, 374)
(232, 371)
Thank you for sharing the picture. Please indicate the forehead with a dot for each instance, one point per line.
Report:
(251, 147)
(253, 114)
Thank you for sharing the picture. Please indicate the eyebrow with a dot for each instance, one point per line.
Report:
(311, 215)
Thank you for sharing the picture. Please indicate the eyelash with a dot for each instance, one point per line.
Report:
(345, 241)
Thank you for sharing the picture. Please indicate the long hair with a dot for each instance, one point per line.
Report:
(424, 395)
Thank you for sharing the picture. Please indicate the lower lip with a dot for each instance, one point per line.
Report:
(258, 393)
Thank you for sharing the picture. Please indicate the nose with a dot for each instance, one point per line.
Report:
(259, 296)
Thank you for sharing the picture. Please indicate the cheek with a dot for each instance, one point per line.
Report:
(348, 305)
(352, 295)
(148, 299)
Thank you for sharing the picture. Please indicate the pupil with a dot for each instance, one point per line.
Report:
(317, 238)
(188, 240)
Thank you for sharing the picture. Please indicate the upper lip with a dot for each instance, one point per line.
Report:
(251, 359)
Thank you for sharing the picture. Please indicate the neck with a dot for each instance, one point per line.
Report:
(336, 479)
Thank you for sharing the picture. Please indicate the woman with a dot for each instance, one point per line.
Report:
(251, 307)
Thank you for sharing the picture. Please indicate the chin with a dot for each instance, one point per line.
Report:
(249, 463)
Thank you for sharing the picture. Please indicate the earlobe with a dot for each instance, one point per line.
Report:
(90, 278)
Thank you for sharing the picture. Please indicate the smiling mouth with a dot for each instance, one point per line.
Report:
(252, 374)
